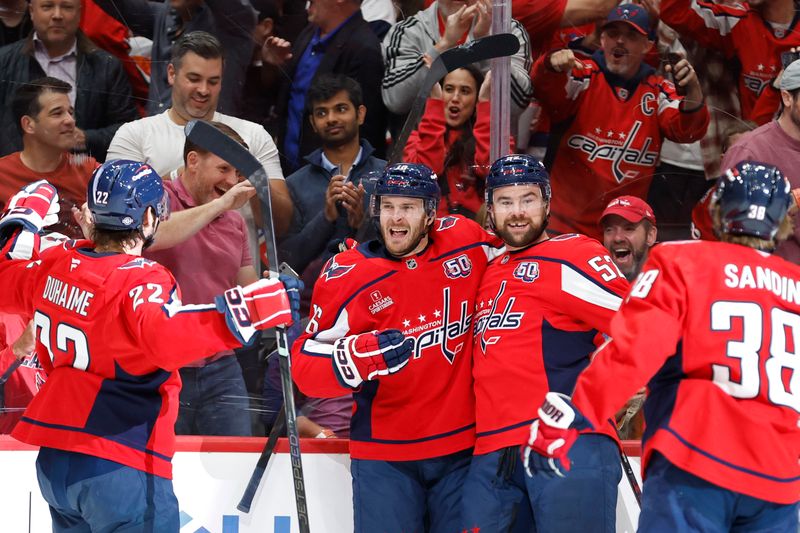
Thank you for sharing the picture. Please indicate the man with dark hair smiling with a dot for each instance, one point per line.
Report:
(46, 121)
(196, 75)
(336, 40)
(539, 309)
(327, 194)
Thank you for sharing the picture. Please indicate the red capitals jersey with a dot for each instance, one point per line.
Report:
(538, 315)
(715, 327)
(426, 409)
(116, 333)
(737, 31)
(612, 140)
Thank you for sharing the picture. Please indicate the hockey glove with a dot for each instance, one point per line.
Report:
(364, 357)
(34, 207)
(267, 303)
(28, 211)
(552, 435)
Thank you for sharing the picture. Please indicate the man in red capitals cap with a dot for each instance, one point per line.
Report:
(629, 231)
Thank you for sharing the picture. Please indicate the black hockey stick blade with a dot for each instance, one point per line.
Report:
(263, 461)
(500, 45)
(210, 138)
(202, 133)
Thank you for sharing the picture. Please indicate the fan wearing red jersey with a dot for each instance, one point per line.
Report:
(391, 324)
(111, 333)
(755, 33)
(713, 328)
(540, 309)
(615, 111)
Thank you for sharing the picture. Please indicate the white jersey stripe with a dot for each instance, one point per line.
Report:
(579, 286)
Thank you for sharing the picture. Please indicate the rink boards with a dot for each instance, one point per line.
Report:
(210, 474)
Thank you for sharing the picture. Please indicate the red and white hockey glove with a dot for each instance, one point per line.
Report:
(364, 357)
(27, 212)
(552, 435)
(267, 303)
(34, 207)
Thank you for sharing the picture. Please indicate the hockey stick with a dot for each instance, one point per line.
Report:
(503, 44)
(210, 138)
(626, 466)
(263, 461)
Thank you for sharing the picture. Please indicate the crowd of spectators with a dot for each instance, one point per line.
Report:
(631, 99)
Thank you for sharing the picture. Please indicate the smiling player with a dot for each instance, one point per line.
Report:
(391, 323)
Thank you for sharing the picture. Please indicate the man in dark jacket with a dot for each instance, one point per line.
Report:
(328, 195)
(336, 40)
(101, 95)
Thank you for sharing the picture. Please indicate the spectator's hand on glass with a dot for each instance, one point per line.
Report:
(276, 51)
(564, 60)
(485, 92)
(483, 22)
(238, 195)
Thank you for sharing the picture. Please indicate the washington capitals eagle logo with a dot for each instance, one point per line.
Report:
(334, 270)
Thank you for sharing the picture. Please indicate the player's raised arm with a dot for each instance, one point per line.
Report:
(177, 333)
(27, 213)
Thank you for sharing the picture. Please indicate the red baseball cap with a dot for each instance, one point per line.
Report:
(630, 208)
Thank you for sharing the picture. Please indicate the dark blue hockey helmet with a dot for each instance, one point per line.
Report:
(412, 180)
(753, 198)
(517, 169)
(120, 192)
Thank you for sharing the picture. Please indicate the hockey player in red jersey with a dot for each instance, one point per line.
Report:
(714, 329)
(111, 333)
(540, 309)
(615, 112)
(391, 323)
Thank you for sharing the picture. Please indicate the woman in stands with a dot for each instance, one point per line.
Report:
(453, 139)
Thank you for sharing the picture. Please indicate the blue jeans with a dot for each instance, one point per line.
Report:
(214, 400)
(675, 501)
(409, 496)
(89, 494)
(497, 490)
